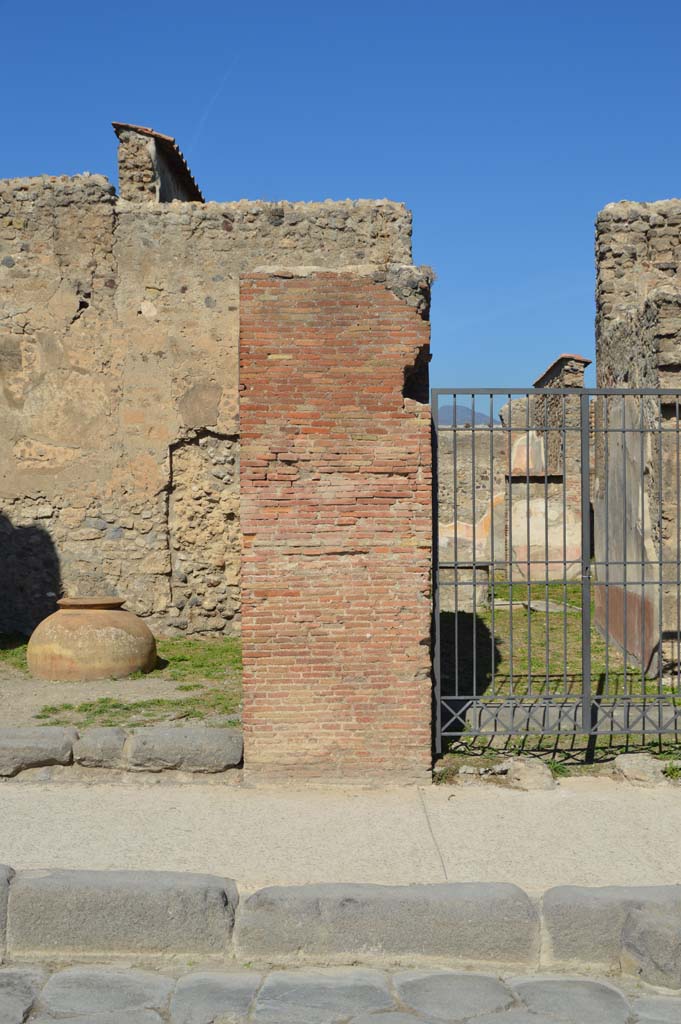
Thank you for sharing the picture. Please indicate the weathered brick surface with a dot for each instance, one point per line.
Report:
(336, 514)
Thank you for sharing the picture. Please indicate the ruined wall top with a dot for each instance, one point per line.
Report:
(567, 371)
(638, 249)
(152, 167)
(638, 328)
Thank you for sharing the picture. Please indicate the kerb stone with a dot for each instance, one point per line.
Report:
(189, 750)
(651, 946)
(584, 925)
(6, 874)
(119, 913)
(460, 924)
(34, 747)
(100, 747)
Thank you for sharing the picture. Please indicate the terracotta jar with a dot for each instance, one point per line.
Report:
(90, 638)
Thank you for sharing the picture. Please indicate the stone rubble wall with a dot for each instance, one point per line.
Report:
(638, 345)
(119, 405)
(137, 171)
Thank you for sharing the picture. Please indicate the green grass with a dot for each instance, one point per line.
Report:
(189, 660)
(13, 651)
(523, 652)
(106, 711)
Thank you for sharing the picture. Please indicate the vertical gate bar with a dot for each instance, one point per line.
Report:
(547, 684)
(564, 575)
(455, 524)
(677, 580)
(528, 538)
(492, 539)
(474, 559)
(660, 571)
(625, 545)
(586, 562)
(606, 470)
(437, 668)
(509, 553)
(642, 568)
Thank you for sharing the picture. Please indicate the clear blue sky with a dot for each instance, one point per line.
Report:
(504, 126)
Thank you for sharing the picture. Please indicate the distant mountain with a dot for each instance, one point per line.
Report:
(465, 417)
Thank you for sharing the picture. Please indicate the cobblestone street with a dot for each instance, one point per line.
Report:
(105, 995)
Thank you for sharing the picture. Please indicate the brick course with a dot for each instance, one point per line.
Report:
(336, 514)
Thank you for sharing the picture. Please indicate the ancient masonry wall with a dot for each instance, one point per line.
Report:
(119, 403)
(638, 344)
(336, 517)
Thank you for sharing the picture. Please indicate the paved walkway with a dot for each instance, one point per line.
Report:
(86, 995)
(586, 832)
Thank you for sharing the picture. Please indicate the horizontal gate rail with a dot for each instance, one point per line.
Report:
(557, 592)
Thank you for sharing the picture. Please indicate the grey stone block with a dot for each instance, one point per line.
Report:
(662, 1009)
(451, 996)
(320, 997)
(97, 990)
(651, 946)
(526, 773)
(516, 1017)
(640, 769)
(584, 925)
(6, 874)
(208, 996)
(573, 1000)
(460, 924)
(117, 1017)
(18, 990)
(32, 747)
(396, 1017)
(119, 913)
(197, 749)
(100, 747)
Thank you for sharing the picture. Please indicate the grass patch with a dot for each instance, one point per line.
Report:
(107, 711)
(13, 651)
(520, 651)
(190, 660)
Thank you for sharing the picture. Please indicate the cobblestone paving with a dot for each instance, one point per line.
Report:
(106, 995)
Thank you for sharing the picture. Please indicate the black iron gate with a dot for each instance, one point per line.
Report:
(557, 552)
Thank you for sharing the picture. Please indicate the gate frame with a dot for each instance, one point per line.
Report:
(589, 712)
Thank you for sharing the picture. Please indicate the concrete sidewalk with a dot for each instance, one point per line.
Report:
(586, 832)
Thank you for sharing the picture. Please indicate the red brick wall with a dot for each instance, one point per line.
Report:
(336, 513)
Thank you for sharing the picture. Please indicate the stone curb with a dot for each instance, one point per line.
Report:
(119, 913)
(463, 924)
(140, 915)
(152, 749)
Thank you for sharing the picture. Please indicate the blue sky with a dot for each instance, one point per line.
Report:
(504, 126)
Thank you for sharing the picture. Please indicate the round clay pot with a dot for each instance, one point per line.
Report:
(90, 638)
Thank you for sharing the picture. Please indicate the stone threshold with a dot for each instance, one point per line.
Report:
(192, 749)
(142, 917)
